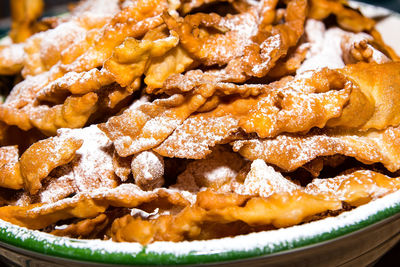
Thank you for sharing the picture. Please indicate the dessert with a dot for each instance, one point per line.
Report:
(158, 120)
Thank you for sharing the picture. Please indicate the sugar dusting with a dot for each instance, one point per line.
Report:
(325, 48)
(274, 238)
(269, 240)
(57, 189)
(92, 166)
(13, 53)
(330, 47)
(148, 170)
(263, 180)
(196, 135)
(242, 27)
(218, 168)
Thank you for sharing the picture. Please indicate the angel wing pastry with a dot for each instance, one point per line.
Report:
(153, 120)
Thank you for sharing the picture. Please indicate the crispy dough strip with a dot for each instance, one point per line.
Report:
(130, 60)
(380, 83)
(21, 107)
(261, 57)
(206, 84)
(197, 134)
(217, 48)
(76, 83)
(33, 217)
(289, 109)
(280, 209)
(77, 29)
(175, 61)
(148, 125)
(43, 50)
(87, 228)
(286, 106)
(133, 21)
(357, 188)
(10, 175)
(290, 152)
(194, 138)
(73, 113)
(42, 157)
(86, 205)
(14, 116)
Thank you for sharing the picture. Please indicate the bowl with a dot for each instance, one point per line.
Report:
(355, 238)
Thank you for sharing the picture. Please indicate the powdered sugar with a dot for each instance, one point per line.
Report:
(325, 50)
(215, 170)
(148, 170)
(12, 54)
(263, 180)
(96, 12)
(92, 166)
(8, 154)
(56, 40)
(56, 189)
(331, 47)
(194, 138)
(242, 27)
(269, 241)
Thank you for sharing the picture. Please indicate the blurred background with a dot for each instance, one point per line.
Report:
(4, 5)
(390, 4)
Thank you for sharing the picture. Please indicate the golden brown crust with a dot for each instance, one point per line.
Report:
(53, 152)
(161, 91)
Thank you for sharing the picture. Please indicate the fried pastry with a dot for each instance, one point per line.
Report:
(157, 120)
(277, 210)
(130, 60)
(290, 152)
(148, 170)
(86, 205)
(266, 46)
(17, 108)
(147, 125)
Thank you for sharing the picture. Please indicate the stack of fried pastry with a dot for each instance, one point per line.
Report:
(159, 120)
